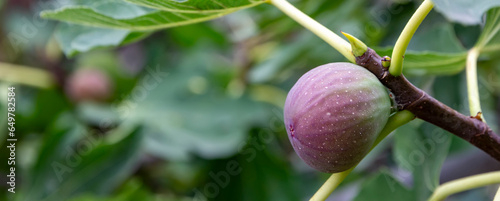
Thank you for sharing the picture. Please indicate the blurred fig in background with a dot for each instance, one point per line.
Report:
(89, 85)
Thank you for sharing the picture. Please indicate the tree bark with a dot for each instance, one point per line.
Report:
(408, 97)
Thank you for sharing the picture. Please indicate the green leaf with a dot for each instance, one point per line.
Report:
(280, 183)
(74, 39)
(257, 158)
(434, 50)
(198, 6)
(117, 9)
(430, 63)
(437, 37)
(489, 40)
(39, 109)
(465, 11)
(133, 189)
(421, 149)
(92, 165)
(187, 113)
(111, 23)
(383, 186)
(90, 16)
(59, 138)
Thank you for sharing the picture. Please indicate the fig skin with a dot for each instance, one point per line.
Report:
(334, 113)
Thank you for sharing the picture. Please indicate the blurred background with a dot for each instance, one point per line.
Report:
(195, 112)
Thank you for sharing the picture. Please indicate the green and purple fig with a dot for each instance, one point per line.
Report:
(334, 113)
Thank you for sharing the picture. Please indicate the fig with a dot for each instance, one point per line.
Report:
(89, 85)
(334, 113)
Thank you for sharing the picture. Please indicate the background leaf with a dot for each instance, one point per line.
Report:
(188, 114)
(112, 23)
(63, 134)
(434, 50)
(489, 40)
(421, 150)
(109, 17)
(69, 168)
(464, 11)
(276, 176)
(132, 190)
(383, 186)
(198, 6)
(76, 38)
(436, 36)
(430, 63)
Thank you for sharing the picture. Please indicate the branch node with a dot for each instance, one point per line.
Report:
(478, 116)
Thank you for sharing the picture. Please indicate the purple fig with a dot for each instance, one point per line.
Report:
(89, 85)
(334, 113)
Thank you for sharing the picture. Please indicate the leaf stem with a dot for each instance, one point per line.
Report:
(330, 185)
(404, 39)
(464, 184)
(396, 120)
(472, 87)
(497, 196)
(26, 75)
(321, 31)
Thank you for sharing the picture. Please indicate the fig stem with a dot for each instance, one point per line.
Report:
(330, 185)
(26, 75)
(321, 31)
(396, 120)
(472, 88)
(404, 39)
(464, 184)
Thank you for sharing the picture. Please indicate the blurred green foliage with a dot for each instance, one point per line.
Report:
(196, 111)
